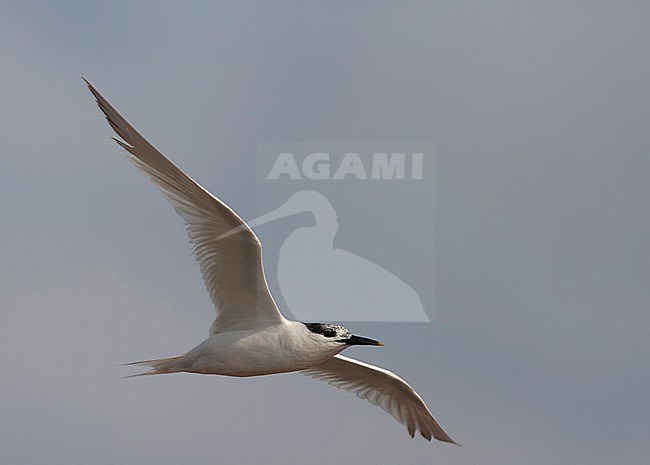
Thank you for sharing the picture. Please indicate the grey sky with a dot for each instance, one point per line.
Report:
(539, 114)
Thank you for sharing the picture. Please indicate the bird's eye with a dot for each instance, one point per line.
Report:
(322, 329)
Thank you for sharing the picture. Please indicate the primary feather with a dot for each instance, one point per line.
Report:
(384, 389)
(231, 266)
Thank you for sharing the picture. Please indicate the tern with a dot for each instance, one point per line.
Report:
(249, 336)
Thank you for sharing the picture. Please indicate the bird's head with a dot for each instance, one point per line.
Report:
(337, 337)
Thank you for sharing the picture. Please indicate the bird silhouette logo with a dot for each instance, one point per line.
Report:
(317, 279)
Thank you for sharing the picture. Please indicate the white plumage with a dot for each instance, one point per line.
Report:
(249, 336)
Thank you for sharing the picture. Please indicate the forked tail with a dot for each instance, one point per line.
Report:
(159, 366)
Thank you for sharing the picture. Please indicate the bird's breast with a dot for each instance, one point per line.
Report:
(254, 353)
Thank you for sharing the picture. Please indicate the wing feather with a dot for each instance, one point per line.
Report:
(231, 266)
(384, 389)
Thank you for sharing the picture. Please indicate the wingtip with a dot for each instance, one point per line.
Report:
(444, 438)
(451, 441)
(92, 89)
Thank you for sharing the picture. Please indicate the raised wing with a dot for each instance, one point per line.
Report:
(384, 389)
(231, 266)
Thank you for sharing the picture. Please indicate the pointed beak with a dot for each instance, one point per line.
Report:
(360, 341)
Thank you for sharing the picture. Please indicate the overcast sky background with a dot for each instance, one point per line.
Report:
(540, 115)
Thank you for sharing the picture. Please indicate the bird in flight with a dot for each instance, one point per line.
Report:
(249, 336)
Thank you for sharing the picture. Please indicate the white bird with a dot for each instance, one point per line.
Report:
(249, 336)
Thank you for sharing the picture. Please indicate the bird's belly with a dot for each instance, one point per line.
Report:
(251, 355)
